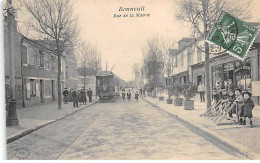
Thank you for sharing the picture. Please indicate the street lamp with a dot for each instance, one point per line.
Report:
(11, 119)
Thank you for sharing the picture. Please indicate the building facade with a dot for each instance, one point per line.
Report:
(189, 66)
(35, 69)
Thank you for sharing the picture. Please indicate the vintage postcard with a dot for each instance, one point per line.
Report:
(131, 79)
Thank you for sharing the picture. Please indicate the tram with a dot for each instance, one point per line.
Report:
(107, 86)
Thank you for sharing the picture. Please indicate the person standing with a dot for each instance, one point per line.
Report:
(201, 90)
(75, 98)
(66, 96)
(90, 93)
(136, 96)
(128, 95)
(247, 108)
(83, 96)
(239, 101)
(123, 95)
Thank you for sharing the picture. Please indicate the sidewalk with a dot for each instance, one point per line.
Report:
(242, 138)
(38, 116)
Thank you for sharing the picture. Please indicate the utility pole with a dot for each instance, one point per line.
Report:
(11, 119)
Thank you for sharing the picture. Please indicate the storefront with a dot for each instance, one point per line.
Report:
(225, 67)
(237, 71)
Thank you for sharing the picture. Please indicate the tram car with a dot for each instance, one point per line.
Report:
(107, 86)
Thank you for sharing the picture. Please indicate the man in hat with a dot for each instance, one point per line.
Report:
(75, 98)
(90, 93)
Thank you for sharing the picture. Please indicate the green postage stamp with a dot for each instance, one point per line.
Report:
(233, 35)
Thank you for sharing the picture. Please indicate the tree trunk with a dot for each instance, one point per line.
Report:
(58, 78)
(84, 82)
(207, 77)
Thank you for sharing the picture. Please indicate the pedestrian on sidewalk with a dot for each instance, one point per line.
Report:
(247, 108)
(201, 90)
(144, 92)
(123, 94)
(128, 95)
(239, 101)
(90, 93)
(66, 95)
(75, 98)
(136, 96)
(83, 96)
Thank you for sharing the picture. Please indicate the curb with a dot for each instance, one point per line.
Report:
(225, 141)
(28, 131)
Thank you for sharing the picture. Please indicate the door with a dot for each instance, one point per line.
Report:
(199, 79)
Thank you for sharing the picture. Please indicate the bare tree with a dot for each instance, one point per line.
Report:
(89, 60)
(153, 63)
(168, 61)
(54, 19)
(84, 52)
(202, 14)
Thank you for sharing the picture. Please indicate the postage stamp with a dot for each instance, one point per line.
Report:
(232, 34)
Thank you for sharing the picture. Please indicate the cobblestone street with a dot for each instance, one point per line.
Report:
(119, 130)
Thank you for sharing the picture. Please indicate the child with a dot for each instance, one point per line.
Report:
(136, 95)
(231, 99)
(247, 108)
(239, 101)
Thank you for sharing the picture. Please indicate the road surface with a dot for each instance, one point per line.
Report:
(118, 130)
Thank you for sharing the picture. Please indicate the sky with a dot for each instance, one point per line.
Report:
(120, 40)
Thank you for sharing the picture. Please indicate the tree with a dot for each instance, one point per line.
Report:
(53, 19)
(202, 14)
(153, 63)
(168, 62)
(89, 60)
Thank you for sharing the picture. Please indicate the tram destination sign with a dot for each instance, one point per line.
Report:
(233, 35)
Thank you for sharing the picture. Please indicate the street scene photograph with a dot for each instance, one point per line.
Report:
(130, 79)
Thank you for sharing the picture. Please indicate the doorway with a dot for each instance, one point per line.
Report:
(41, 91)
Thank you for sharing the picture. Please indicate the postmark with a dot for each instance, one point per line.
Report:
(214, 49)
(22, 153)
(232, 34)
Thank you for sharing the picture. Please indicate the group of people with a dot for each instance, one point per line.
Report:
(227, 93)
(129, 95)
(78, 97)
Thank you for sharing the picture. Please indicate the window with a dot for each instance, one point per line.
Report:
(24, 54)
(199, 57)
(41, 55)
(181, 59)
(217, 72)
(32, 88)
(53, 62)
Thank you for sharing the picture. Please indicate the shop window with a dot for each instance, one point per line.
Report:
(217, 74)
(32, 88)
(228, 71)
(243, 74)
